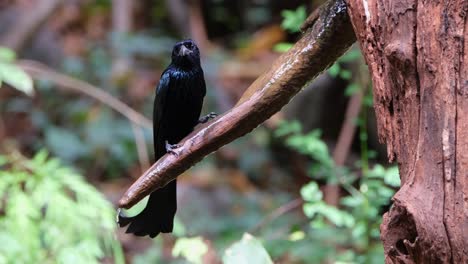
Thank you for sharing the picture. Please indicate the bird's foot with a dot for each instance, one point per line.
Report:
(172, 148)
(205, 119)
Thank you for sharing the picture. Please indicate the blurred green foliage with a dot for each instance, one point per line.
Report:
(68, 221)
(347, 233)
(224, 230)
(87, 134)
(355, 223)
(293, 19)
(292, 22)
(50, 214)
(337, 69)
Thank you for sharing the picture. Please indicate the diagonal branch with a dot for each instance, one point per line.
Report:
(319, 47)
(40, 71)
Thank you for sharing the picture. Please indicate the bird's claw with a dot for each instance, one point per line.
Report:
(171, 148)
(209, 116)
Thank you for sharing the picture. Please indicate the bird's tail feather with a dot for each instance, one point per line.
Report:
(158, 215)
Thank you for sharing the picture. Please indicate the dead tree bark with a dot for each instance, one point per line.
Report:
(416, 52)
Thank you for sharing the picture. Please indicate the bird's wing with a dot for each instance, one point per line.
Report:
(158, 113)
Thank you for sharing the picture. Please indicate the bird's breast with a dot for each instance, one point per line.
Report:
(184, 103)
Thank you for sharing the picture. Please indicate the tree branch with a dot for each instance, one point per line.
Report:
(318, 48)
(291, 205)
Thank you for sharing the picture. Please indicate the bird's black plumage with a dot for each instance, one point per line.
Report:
(177, 107)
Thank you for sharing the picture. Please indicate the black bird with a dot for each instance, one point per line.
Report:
(177, 107)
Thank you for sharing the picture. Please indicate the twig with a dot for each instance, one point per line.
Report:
(178, 15)
(122, 11)
(143, 156)
(277, 213)
(345, 139)
(40, 71)
(320, 46)
(343, 145)
(197, 25)
(122, 22)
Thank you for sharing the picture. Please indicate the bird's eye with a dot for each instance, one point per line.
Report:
(188, 45)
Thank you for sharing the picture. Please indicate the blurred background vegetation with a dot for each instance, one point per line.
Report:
(308, 186)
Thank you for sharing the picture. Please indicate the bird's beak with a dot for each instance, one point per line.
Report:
(184, 51)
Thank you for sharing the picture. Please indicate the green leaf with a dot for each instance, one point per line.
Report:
(378, 171)
(191, 249)
(311, 192)
(247, 250)
(338, 217)
(137, 208)
(7, 55)
(296, 235)
(372, 154)
(359, 230)
(16, 77)
(352, 201)
(350, 56)
(392, 177)
(363, 136)
(346, 74)
(368, 100)
(286, 128)
(310, 209)
(334, 70)
(66, 219)
(282, 47)
(293, 19)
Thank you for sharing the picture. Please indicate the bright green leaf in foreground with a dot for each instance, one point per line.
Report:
(52, 215)
(191, 249)
(16, 77)
(247, 250)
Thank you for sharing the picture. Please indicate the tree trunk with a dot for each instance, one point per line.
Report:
(415, 51)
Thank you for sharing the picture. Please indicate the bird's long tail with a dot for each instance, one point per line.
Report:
(158, 215)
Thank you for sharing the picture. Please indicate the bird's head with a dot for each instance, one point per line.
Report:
(186, 54)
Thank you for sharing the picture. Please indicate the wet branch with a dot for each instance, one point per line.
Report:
(321, 44)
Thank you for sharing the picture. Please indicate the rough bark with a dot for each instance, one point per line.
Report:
(415, 51)
(319, 47)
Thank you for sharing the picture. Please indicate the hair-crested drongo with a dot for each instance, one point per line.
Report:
(177, 107)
